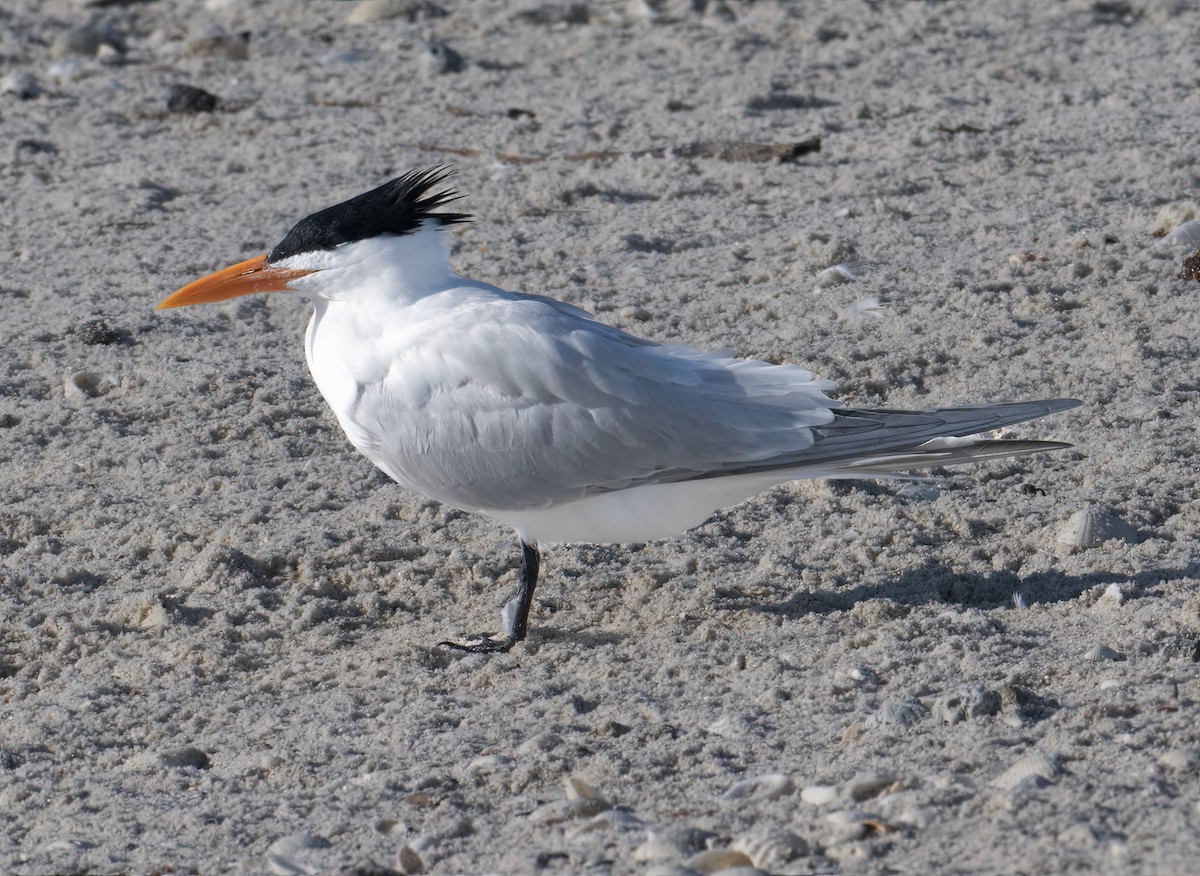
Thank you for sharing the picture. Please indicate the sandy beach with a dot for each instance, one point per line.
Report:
(218, 622)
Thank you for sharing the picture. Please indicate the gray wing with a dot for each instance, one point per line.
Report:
(509, 402)
(882, 440)
(513, 402)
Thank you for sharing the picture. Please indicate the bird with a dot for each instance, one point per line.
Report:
(528, 410)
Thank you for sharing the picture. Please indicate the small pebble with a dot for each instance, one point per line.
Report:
(555, 14)
(370, 11)
(409, 862)
(97, 332)
(718, 860)
(68, 70)
(967, 701)
(837, 275)
(671, 843)
(846, 826)
(848, 852)
(86, 41)
(1035, 768)
(189, 99)
(577, 789)
(819, 795)
(216, 42)
(1103, 652)
(902, 713)
(297, 842)
(869, 785)
(768, 787)
(610, 819)
(440, 59)
(84, 385)
(282, 865)
(560, 811)
(863, 310)
(1180, 760)
(1113, 595)
(919, 491)
(1092, 526)
(23, 85)
(770, 849)
(153, 618)
(183, 758)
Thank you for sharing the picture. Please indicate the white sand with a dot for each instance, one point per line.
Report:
(217, 622)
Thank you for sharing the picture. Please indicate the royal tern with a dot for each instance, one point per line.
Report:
(529, 411)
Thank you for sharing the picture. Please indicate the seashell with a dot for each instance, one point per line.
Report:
(282, 865)
(900, 713)
(409, 862)
(87, 40)
(819, 795)
(188, 757)
(1036, 767)
(86, 384)
(1170, 215)
(671, 843)
(966, 701)
(609, 819)
(869, 785)
(1103, 652)
(578, 789)
(282, 854)
(1185, 236)
(1092, 526)
(486, 764)
(849, 825)
(853, 731)
(68, 70)
(769, 787)
(389, 825)
(1181, 760)
(919, 491)
(770, 849)
(216, 42)
(851, 852)
(23, 85)
(560, 811)
(730, 727)
(715, 860)
(863, 675)
(371, 11)
(862, 310)
(838, 274)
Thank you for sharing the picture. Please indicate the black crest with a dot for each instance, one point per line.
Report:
(397, 207)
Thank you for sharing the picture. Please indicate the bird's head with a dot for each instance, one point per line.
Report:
(338, 237)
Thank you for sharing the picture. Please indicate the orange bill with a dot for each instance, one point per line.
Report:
(244, 278)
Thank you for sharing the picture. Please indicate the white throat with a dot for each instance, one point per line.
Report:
(396, 269)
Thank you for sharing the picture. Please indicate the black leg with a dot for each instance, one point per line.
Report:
(516, 610)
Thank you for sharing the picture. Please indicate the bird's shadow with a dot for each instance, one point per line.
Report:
(938, 583)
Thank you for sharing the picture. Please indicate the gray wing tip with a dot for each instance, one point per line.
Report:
(1061, 404)
(1045, 405)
